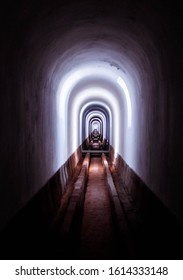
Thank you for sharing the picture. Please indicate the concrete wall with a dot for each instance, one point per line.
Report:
(148, 204)
(29, 231)
(41, 42)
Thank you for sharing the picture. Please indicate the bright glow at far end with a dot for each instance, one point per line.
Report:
(128, 101)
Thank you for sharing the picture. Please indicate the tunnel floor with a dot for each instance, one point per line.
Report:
(96, 229)
(92, 233)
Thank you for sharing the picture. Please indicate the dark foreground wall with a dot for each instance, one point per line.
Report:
(158, 230)
(28, 233)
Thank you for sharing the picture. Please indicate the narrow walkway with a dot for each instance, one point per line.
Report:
(96, 230)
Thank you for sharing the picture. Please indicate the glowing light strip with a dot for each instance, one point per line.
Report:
(128, 101)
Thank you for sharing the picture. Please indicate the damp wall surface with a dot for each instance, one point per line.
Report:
(44, 40)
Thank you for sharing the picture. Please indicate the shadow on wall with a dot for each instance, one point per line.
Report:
(157, 231)
(28, 233)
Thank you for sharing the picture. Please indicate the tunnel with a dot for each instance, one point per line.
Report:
(68, 68)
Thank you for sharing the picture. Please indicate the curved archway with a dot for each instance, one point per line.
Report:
(96, 110)
(96, 85)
